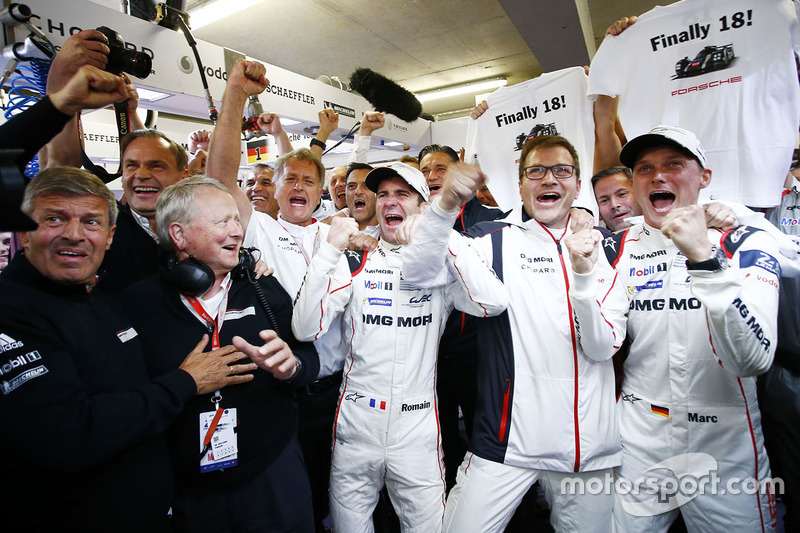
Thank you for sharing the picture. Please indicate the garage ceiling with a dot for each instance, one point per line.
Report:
(422, 44)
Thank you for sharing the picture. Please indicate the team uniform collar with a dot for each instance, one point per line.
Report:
(21, 271)
(296, 230)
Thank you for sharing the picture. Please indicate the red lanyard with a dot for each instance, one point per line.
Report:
(205, 316)
(210, 433)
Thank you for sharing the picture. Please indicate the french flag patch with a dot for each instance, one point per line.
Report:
(377, 404)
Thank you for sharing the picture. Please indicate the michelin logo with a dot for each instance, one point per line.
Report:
(7, 343)
(8, 386)
(386, 302)
(654, 284)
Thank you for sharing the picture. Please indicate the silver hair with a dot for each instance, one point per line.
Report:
(70, 182)
(176, 204)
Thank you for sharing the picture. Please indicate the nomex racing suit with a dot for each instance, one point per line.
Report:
(386, 428)
(688, 406)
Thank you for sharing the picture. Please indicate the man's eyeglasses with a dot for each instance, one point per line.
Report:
(538, 172)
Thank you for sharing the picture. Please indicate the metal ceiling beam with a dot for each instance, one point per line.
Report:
(559, 33)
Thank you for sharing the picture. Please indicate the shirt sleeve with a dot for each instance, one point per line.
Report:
(742, 306)
(65, 425)
(32, 129)
(280, 303)
(605, 72)
(600, 306)
(424, 259)
(476, 289)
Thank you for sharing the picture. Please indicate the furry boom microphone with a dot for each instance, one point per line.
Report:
(386, 95)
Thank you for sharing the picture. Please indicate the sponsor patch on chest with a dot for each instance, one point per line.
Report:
(127, 334)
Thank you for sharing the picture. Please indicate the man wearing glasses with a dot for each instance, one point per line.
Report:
(546, 405)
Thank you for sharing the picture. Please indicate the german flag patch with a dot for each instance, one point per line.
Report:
(658, 410)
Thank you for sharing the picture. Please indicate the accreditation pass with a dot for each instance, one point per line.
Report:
(223, 450)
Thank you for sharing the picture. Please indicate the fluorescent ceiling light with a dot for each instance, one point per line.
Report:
(392, 143)
(467, 88)
(148, 95)
(216, 10)
(289, 121)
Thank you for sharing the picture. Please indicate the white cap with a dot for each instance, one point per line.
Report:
(409, 174)
(661, 135)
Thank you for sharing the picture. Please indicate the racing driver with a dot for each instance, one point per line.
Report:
(702, 325)
(386, 430)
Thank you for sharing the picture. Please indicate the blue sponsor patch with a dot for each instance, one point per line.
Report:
(386, 302)
(655, 284)
(750, 258)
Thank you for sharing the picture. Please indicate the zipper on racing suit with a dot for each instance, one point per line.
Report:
(574, 359)
(504, 417)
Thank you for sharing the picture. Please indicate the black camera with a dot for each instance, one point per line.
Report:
(120, 59)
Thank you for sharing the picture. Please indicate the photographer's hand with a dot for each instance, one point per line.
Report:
(89, 88)
(86, 47)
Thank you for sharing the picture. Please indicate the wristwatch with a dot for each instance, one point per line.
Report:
(719, 261)
(298, 369)
(317, 142)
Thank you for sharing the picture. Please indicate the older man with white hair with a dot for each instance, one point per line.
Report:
(249, 472)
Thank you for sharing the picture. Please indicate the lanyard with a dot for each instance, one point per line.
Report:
(203, 315)
(300, 244)
(217, 398)
(214, 323)
(213, 426)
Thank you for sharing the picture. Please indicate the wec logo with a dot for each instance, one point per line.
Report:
(421, 300)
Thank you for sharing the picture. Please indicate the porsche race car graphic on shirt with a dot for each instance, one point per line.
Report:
(708, 59)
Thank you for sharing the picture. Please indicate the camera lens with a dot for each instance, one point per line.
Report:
(129, 61)
(120, 59)
(139, 65)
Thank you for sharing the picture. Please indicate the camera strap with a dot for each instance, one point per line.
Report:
(123, 127)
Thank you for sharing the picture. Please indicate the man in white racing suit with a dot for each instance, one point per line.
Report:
(702, 325)
(546, 404)
(386, 430)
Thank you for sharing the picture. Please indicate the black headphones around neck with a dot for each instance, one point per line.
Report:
(193, 277)
(190, 276)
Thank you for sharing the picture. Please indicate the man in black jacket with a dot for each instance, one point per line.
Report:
(82, 439)
(150, 163)
(456, 385)
(251, 475)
